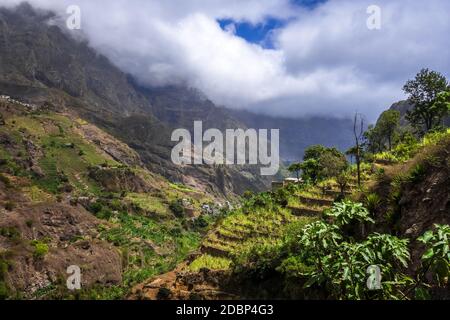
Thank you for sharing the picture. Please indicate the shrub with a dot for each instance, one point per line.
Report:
(201, 223)
(104, 214)
(433, 138)
(386, 156)
(259, 259)
(340, 264)
(282, 196)
(347, 211)
(176, 206)
(95, 207)
(437, 255)
(247, 194)
(372, 202)
(294, 267)
(10, 232)
(209, 262)
(40, 249)
(417, 173)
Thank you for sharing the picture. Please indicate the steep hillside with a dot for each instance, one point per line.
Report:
(72, 194)
(42, 64)
(414, 195)
(303, 242)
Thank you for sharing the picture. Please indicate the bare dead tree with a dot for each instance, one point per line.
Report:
(359, 134)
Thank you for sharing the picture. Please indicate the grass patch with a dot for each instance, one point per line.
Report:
(149, 203)
(37, 195)
(210, 262)
(40, 249)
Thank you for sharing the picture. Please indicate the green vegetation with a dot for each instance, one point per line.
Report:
(314, 239)
(149, 228)
(210, 262)
(410, 146)
(176, 206)
(333, 254)
(384, 132)
(372, 202)
(428, 92)
(297, 168)
(40, 249)
(320, 163)
(346, 211)
(149, 203)
(437, 257)
(11, 233)
(326, 259)
(149, 247)
(5, 264)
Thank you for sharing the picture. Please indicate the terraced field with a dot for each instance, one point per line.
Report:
(315, 200)
(239, 230)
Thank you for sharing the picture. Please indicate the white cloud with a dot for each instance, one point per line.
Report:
(325, 61)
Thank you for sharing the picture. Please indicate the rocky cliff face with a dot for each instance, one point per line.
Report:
(42, 64)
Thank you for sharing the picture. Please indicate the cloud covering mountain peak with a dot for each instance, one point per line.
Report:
(324, 60)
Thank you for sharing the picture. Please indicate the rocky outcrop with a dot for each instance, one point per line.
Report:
(119, 179)
(181, 285)
(70, 234)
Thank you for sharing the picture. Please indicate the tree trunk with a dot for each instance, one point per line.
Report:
(357, 140)
(358, 166)
(429, 124)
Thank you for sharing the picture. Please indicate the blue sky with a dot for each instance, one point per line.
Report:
(260, 33)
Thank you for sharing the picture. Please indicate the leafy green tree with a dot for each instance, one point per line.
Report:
(387, 125)
(314, 152)
(343, 179)
(311, 170)
(297, 168)
(322, 162)
(442, 103)
(332, 164)
(373, 140)
(423, 92)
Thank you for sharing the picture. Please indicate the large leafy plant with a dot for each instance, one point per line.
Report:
(437, 256)
(340, 264)
(347, 211)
